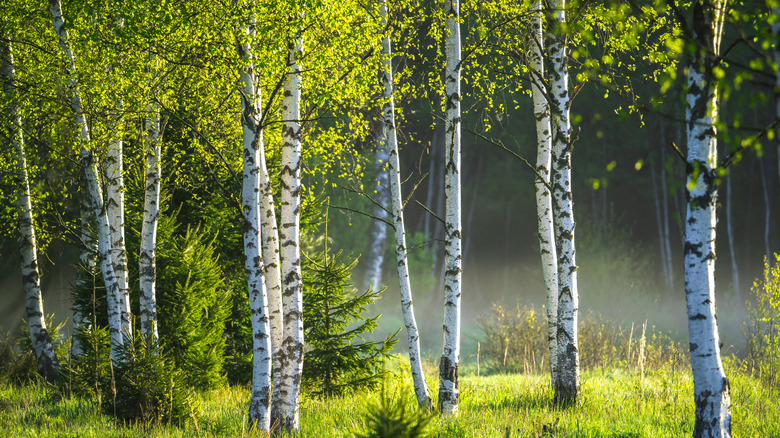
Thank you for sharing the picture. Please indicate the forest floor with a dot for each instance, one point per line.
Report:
(614, 403)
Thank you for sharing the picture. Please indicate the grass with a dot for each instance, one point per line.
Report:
(615, 403)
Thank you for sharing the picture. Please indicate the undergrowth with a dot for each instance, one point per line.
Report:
(616, 402)
(515, 340)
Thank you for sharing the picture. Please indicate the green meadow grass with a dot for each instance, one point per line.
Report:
(615, 403)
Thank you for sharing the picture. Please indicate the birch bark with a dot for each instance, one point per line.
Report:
(543, 196)
(448, 365)
(389, 137)
(45, 357)
(292, 345)
(115, 192)
(91, 173)
(377, 232)
(147, 255)
(711, 387)
(260, 404)
(567, 384)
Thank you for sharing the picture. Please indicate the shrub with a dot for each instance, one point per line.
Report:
(193, 301)
(16, 366)
(333, 326)
(395, 418)
(90, 372)
(193, 305)
(762, 329)
(146, 385)
(516, 341)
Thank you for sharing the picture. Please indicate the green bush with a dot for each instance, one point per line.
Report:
(193, 305)
(762, 329)
(16, 366)
(90, 372)
(516, 341)
(338, 357)
(193, 301)
(146, 385)
(395, 418)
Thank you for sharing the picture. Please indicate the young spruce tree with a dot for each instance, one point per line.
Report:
(339, 357)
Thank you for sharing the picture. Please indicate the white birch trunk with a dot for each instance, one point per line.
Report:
(95, 192)
(567, 385)
(543, 196)
(388, 134)
(377, 232)
(710, 385)
(273, 277)
(115, 192)
(450, 358)
(292, 345)
(260, 403)
(147, 254)
(45, 357)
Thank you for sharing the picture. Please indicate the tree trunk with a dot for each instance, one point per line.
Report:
(448, 365)
(543, 198)
(115, 192)
(657, 195)
(665, 210)
(95, 192)
(567, 386)
(767, 207)
(426, 218)
(388, 134)
(711, 387)
(147, 257)
(260, 404)
(45, 357)
(377, 232)
(292, 345)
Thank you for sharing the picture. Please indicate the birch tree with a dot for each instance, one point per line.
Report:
(45, 357)
(388, 141)
(292, 345)
(567, 384)
(91, 172)
(377, 231)
(543, 195)
(260, 404)
(147, 266)
(711, 387)
(448, 365)
(115, 193)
